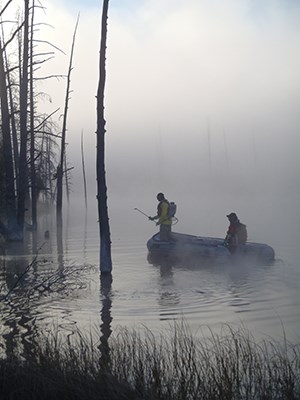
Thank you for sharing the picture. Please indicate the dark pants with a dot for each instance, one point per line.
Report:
(165, 232)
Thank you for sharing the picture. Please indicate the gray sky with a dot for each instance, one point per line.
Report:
(202, 97)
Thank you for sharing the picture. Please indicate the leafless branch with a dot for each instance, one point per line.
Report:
(13, 36)
(50, 77)
(46, 119)
(50, 44)
(5, 297)
(5, 7)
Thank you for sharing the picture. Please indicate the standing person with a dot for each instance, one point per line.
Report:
(236, 233)
(162, 215)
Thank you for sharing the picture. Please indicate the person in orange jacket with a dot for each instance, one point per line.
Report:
(236, 233)
(162, 216)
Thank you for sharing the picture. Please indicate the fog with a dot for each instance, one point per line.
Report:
(202, 103)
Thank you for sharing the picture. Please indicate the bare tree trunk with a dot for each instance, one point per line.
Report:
(104, 230)
(50, 180)
(23, 168)
(12, 115)
(7, 151)
(60, 168)
(83, 171)
(66, 173)
(32, 134)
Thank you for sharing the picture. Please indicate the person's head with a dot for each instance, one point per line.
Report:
(232, 217)
(160, 197)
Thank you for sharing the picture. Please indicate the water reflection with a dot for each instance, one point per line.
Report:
(60, 250)
(106, 318)
(85, 237)
(202, 284)
(24, 281)
(18, 324)
(185, 261)
(34, 242)
(169, 298)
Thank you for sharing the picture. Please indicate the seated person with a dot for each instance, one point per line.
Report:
(236, 233)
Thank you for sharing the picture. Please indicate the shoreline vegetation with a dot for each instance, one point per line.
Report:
(136, 364)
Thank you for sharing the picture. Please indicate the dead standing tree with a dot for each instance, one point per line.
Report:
(23, 167)
(83, 171)
(13, 232)
(32, 130)
(60, 168)
(7, 150)
(104, 230)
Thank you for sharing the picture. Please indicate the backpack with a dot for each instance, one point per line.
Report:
(172, 210)
(242, 233)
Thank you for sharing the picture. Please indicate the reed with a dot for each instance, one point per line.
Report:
(140, 365)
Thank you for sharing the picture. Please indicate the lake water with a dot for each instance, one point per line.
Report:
(64, 290)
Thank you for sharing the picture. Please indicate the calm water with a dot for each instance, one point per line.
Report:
(64, 289)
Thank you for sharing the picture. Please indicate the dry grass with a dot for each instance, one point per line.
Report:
(139, 365)
(226, 366)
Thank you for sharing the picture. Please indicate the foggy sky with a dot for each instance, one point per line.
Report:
(202, 99)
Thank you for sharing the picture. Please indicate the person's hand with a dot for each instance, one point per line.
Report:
(157, 223)
(151, 218)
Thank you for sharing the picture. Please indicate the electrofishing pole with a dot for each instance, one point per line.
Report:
(173, 219)
(141, 212)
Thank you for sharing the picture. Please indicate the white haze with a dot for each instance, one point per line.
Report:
(202, 102)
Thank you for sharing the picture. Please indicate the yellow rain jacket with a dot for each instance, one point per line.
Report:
(162, 212)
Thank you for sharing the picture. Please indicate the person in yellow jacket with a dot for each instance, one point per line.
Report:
(162, 215)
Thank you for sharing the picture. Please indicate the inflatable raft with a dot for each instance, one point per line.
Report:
(191, 246)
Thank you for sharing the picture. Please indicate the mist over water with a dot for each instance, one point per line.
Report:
(263, 298)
